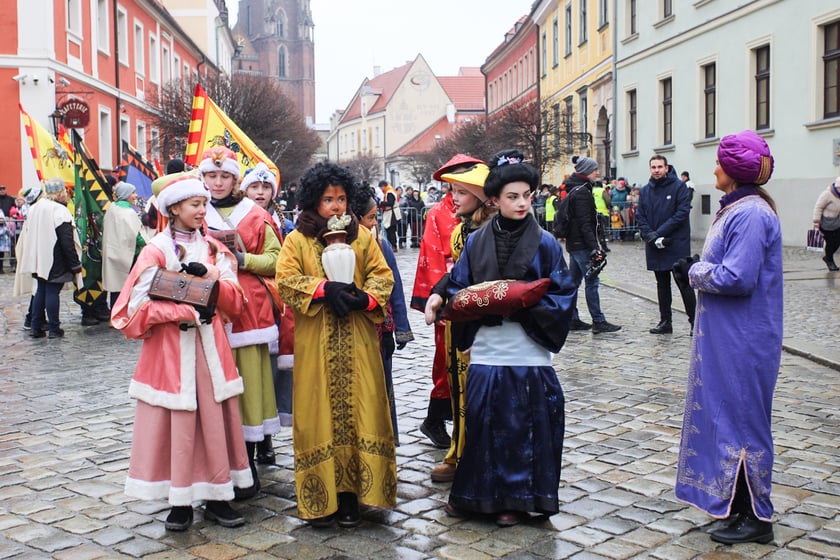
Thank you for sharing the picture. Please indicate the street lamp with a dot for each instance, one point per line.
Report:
(56, 117)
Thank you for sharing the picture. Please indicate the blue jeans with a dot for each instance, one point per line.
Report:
(578, 263)
(46, 298)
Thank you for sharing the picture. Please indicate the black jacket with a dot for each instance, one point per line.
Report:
(583, 221)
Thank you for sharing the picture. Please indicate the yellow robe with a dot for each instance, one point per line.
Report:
(343, 438)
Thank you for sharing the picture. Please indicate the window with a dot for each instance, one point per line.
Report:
(555, 113)
(583, 28)
(568, 26)
(631, 119)
(153, 58)
(709, 100)
(667, 8)
(667, 114)
(74, 17)
(248, 21)
(568, 121)
(544, 54)
(555, 42)
(583, 103)
(281, 62)
(603, 12)
(762, 87)
(166, 66)
(125, 131)
(155, 146)
(631, 17)
(141, 140)
(139, 59)
(122, 35)
(831, 71)
(176, 67)
(103, 35)
(105, 128)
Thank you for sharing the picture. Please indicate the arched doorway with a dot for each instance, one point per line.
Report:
(603, 142)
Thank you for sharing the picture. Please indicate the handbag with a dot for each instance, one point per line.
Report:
(815, 240)
(181, 287)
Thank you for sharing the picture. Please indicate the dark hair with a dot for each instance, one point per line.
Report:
(175, 165)
(362, 201)
(687, 176)
(506, 167)
(317, 178)
(659, 156)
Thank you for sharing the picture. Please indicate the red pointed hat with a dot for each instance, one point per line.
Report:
(458, 160)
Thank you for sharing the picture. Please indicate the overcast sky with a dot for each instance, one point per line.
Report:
(351, 37)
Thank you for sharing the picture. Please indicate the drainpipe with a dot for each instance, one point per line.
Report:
(117, 79)
(216, 31)
(614, 119)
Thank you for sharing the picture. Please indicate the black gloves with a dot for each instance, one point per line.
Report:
(356, 299)
(681, 269)
(334, 294)
(651, 237)
(597, 262)
(387, 344)
(194, 268)
(657, 240)
(206, 313)
(401, 345)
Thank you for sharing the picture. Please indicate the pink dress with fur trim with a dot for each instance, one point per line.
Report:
(188, 443)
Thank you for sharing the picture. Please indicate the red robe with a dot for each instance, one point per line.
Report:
(435, 258)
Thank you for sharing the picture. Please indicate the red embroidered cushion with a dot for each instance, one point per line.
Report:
(499, 297)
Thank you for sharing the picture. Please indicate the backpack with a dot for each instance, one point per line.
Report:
(561, 217)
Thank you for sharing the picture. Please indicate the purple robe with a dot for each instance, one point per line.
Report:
(735, 359)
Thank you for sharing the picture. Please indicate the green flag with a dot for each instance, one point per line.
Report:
(91, 198)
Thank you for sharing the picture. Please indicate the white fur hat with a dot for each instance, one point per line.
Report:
(259, 174)
(219, 158)
(180, 189)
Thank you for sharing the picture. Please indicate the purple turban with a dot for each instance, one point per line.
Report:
(746, 158)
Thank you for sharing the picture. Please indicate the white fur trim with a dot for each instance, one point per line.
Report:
(216, 221)
(178, 190)
(229, 165)
(286, 361)
(255, 336)
(222, 389)
(259, 174)
(185, 496)
(269, 426)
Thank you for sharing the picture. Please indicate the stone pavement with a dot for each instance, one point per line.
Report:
(66, 423)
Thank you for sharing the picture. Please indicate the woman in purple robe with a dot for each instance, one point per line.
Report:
(726, 448)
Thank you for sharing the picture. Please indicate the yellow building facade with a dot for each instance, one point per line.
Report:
(575, 75)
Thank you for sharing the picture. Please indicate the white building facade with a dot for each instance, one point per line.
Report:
(689, 72)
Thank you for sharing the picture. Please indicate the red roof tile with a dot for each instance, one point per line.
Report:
(384, 85)
(466, 92)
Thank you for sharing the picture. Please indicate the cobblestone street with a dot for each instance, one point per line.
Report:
(66, 422)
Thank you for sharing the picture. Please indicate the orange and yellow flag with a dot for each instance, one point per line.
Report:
(52, 157)
(210, 126)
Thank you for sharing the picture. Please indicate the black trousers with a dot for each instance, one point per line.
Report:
(832, 242)
(663, 295)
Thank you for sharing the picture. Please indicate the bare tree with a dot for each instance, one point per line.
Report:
(257, 106)
(365, 167)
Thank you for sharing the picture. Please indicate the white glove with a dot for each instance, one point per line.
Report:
(659, 243)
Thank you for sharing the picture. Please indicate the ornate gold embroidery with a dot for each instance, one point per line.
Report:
(314, 494)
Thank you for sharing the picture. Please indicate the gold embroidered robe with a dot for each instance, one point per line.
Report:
(343, 438)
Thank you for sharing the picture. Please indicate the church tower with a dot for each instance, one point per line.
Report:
(275, 39)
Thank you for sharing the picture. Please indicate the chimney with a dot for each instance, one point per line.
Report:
(376, 71)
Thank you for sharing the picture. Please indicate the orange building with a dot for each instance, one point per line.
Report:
(105, 59)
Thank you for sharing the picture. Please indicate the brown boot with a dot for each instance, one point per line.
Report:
(444, 472)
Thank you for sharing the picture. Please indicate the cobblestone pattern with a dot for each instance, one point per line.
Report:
(66, 423)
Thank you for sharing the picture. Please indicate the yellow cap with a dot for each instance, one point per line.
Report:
(472, 178)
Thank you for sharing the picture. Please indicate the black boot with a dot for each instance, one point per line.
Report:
(348, 510)
(829, 261)
(434, 426)
(179, 519)
(223, 514)
(744, 529)
(265, 452)
(664, 327)
(240, 494)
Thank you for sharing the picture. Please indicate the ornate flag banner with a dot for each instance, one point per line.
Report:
(210, 126)
(92, 197)
(52, 158)
(136, 171)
